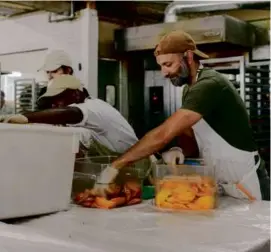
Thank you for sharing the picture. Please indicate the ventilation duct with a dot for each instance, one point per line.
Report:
(176, 9)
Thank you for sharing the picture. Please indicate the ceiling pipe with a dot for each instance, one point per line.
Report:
(54, 18)
(176, 8)
(20, 6)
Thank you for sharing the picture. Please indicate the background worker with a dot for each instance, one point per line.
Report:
(67, 104)
(5, 108)
(56, 63)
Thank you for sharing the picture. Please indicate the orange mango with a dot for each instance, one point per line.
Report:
(134, 201)
(117, 195)
(186, 192)
(205, 202)
(166, 204)
(162, 196)
(119, 201)
(104, 203)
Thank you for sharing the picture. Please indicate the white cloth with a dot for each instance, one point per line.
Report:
(105, 125)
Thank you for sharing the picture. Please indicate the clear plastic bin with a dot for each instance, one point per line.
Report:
(184, 187)
(126, 189)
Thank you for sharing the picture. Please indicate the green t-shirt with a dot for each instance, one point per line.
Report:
(215, 98)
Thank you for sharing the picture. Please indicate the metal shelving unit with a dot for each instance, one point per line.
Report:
(258, 104)
(252, 81)
(233, 68)
(25, 94)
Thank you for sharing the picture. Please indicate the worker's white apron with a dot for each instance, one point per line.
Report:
(229, 164)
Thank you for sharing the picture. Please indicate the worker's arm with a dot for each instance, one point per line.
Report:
(203, 98)
(69, 115)
(156, 139)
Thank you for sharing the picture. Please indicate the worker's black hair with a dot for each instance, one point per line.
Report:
(46, 102)
(67, 70)
(42, 91)
(86, 93)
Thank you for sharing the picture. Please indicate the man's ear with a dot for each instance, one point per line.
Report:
(190, 57)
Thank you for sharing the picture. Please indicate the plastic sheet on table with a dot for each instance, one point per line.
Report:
(15, 238)
(235, 226)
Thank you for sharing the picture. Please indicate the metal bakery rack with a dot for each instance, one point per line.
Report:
(252, 81)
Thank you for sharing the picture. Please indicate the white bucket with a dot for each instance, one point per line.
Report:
(37, 163)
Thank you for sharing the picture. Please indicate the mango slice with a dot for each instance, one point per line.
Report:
(186, 192)
(162, 196)
(117, 195)
(104, 203)
(205, 202)
(119, 201)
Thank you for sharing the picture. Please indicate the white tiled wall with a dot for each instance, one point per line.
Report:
(34, 32)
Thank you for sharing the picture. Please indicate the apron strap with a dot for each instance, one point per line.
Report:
(254, 168)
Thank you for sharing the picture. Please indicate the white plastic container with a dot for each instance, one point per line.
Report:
(37, 163)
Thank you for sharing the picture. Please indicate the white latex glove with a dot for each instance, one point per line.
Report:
(153, 159)
(173, 156)
(106, 177)
(15, 119)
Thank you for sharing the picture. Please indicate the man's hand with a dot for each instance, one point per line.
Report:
(106, 177)
(174, 156)
(15, 119)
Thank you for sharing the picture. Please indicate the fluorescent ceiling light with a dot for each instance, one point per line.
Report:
(15, 74)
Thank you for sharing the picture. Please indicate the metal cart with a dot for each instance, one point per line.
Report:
(26, 92)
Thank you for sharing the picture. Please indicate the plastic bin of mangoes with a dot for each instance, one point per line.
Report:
(184, 187)
(125, 190)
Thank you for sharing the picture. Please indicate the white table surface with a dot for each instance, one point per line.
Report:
(236, 226)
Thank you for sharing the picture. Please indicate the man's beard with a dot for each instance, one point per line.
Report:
(183, 77)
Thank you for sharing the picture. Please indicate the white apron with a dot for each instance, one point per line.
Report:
(232, 167)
